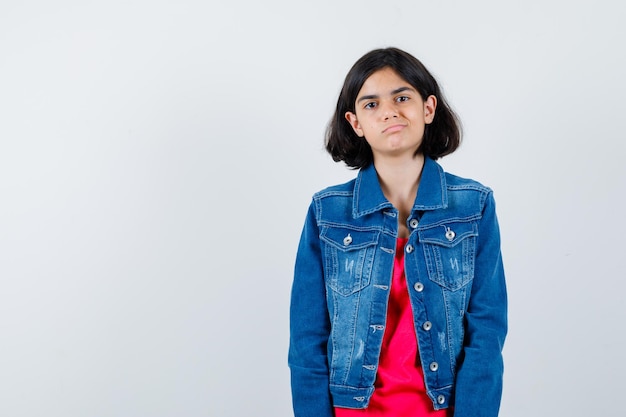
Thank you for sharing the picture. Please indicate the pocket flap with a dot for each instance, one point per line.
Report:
(448, 234)
(347, 239)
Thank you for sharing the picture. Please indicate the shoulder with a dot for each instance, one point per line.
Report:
(466, 194)
(345, 189)
(334, 204)
(457, 183)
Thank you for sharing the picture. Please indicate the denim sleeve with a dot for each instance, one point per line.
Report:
(479, 377)
(309, 328)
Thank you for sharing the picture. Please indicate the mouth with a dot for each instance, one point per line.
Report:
(394, 128)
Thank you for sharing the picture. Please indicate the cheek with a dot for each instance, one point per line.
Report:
(364, 124)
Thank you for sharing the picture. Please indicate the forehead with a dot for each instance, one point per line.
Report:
(382, 81)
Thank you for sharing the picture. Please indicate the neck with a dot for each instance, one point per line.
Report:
(399, 180)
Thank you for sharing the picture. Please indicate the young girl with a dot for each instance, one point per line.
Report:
(398, 304)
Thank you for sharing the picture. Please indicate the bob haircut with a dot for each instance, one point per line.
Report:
(441, 137)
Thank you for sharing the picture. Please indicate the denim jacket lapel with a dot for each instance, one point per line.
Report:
(369, 197)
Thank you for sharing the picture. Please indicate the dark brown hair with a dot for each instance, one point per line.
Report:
(441, 137)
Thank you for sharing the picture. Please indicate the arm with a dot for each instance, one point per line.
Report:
(479, 377)
(309, 328)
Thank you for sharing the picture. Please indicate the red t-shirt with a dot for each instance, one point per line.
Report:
(399, 387)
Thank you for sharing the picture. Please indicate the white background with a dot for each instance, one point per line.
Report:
(157, 159)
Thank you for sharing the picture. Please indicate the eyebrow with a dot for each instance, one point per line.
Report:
(394, 92)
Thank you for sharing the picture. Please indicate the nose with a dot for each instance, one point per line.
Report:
(389, 111)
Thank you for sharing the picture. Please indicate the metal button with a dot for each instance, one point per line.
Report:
(347, 240)
(450, 234)
(441, 399)
(419, 287)
(409, 248)
(427, 326)
(413, 223)
(434, 366)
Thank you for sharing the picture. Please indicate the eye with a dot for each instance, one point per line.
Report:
(370, 105)
(402, 99)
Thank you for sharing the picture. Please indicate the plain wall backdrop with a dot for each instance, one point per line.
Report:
(157, 159)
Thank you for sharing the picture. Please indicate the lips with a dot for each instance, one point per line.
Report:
(394, 128)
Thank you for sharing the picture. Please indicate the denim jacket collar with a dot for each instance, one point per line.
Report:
(431, 193)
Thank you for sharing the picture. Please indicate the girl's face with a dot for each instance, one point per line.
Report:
(391, 115)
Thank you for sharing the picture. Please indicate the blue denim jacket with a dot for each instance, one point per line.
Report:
(456, 284)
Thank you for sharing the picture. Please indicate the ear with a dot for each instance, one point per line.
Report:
(356, 126)
(430, 105)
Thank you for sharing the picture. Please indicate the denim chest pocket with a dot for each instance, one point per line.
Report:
(348, 258)
(450, 251)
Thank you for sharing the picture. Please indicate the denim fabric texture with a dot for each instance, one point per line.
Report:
(456, 284)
